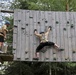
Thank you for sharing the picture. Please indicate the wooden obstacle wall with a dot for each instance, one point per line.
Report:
(63, 33)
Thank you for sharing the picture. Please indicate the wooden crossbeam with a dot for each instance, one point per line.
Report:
(6, 57)
(7, 11)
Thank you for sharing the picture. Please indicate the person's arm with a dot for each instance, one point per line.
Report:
(5, 31)
(4, 34)
(36, 33)
(49, 29)
(11, 30)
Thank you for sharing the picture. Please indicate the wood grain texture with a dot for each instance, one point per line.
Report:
(63, 34)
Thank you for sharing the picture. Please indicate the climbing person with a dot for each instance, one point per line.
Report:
(3, 32)
(43, 36)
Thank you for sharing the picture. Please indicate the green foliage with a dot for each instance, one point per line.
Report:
(54, 5)
(37, 68)
(22, 4)
(9, 39)
(19, 68)
(27, 68)
(63, 68)
(10, 31)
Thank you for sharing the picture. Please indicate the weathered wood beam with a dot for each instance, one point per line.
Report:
(7, 11)
(6, 57)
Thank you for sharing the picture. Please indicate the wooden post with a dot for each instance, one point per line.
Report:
(50, 70)
(67, 5)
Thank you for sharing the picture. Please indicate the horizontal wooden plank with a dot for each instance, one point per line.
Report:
(6, 57)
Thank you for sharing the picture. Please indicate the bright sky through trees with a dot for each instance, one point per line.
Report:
(4, 4)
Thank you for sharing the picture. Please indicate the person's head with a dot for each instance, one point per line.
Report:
(7, 23)
(50, 27)
(42, 32)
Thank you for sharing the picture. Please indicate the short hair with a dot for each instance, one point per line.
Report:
(7, 23)
(41, 32)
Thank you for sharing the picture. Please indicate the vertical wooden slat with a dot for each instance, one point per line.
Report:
(74, 51)
(35, 27)
(69, 37)
(57, 22)
(14, 37)
(31, 35)
(15, 33)
(61, 19)
(14, 45)
(27, 35)
(23, 29)
(66, 36)
(33, 49)
(19, 36)
(15, 17)
(50, 38)
(15, 28)
(46, 54)
(72, 40)
(53, 35)
(38, 23)
(64, 29)
(42, 28)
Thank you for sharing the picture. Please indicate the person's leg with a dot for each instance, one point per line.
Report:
(37, 55)
(51, 44)
(1, 43)
(58, 48)
(38, 49)
(41, 45)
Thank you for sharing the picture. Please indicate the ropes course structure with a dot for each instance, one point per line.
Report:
(5, 13)
(45, 19)
(25, 42)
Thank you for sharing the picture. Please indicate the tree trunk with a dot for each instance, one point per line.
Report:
(50, 70)
(67, 5)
